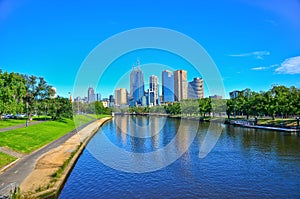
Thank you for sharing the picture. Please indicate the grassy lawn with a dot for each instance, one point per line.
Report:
(103, 116)
(278, 122)
(11, 122)
(82, 119)
(5, 159)
(33, 137)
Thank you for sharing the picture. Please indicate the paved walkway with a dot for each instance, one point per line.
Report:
(20, 126)
(11, 152)
(25, 165)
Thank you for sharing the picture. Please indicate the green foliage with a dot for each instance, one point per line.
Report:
(59, 108)
(91, 108)
(187, 107)
(279, 101)
(28, 139)
(11, 122)
(23, 93)
(5, 159)
(12, 92)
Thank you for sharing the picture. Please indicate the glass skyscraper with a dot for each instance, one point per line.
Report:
(137, 88)
(167, 86)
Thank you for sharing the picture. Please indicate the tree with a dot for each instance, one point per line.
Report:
(12, 91)
(37, 90)
(205, 106)
(60, 107)
(229, 107)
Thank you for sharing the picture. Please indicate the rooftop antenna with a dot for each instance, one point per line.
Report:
(138, 62)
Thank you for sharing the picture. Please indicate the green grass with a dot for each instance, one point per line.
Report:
(102, 116)
(82, 119)
(33, 137)
(11, 122)
(28, 139)
(5, 159)
(278, 122)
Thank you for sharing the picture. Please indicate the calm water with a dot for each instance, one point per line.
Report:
(245, 163)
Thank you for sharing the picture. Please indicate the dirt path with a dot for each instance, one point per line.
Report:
(42, 175)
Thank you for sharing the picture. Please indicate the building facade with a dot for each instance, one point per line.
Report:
(137, 88)
(234, 94)
(91, 95)
(121, 96)
(180, 85)
(98, 97)
(167, 86)
(215, 97)
(153, 85)
(196, 88)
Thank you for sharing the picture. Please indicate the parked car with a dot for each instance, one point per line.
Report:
(20, 116)
(7, 116)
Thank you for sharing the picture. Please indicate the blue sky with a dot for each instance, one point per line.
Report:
(254, 43)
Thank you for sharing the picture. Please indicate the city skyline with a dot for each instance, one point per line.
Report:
(246, 39)
(169, 79)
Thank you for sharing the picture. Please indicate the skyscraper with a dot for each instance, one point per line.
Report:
(167, 86)
(91, 95)
(180, 85)
(137, 84)
(153, 84)
(196, 89)
(120, 96)
(98, 97)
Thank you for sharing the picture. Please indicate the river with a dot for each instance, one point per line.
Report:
(158, 157)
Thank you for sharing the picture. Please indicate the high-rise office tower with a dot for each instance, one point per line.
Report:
(196, 89)
(180, 85)
(91, 95)
(167, 86)
(98, 97)
(120, 96)
(137, 84)
(153, 85)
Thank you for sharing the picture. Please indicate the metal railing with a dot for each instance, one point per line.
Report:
(9, 190)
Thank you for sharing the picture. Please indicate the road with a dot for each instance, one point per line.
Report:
(24, 166)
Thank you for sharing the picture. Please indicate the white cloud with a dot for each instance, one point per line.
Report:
(272, 22)
(289, 66)
(256, 54)
(259, 68)
(264, 67)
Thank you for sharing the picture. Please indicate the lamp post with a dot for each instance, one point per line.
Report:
(27, 114)
(45, 111)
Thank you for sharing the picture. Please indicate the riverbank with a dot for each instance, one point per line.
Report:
(252, 124)
(52, 169)
(265, 124)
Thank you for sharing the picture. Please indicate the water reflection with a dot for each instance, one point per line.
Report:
(245, 163)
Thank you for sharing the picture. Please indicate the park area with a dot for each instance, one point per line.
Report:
(24, 140)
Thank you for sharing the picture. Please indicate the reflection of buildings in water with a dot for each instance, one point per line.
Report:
(121, 123)
(182, 137)
(154, 131)
(208, 138)
(122, 128)
(138, 130)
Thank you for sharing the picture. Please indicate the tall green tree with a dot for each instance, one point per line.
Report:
(37, 91)
(59, 108)
(12, 91)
